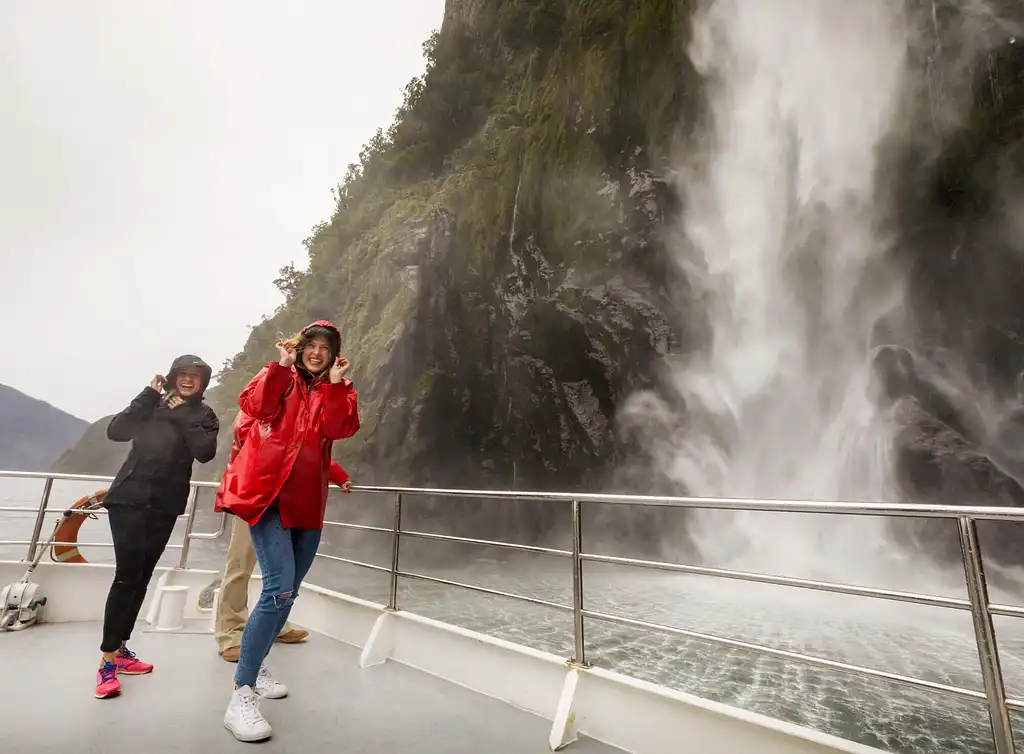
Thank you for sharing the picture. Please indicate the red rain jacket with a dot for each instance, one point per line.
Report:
(243, 423)
(288, 419)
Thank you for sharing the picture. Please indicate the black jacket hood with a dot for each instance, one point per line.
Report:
(190, 360)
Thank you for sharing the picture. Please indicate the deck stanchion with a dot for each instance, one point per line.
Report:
(396, 530)
(580, 656)
(37, 529)
(191, 509)
(985, 635)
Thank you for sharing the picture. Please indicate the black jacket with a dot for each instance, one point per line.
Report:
(165, 442)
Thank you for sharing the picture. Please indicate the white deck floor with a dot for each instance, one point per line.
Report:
(334, 706)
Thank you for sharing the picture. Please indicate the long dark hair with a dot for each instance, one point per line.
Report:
(301, 340)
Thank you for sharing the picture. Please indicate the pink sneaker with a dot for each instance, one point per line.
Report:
(107, 684)
(129, 664)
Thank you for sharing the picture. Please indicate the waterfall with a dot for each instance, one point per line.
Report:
(781, 240)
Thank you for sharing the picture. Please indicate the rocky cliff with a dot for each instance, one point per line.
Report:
(498, 264)
(496, 260)
(955, 378)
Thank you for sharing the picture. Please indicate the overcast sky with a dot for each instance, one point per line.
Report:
(161, 159)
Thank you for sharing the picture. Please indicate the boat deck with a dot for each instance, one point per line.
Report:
(333, 704)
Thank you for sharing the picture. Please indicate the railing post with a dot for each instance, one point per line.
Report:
(580, 656)
(37, 529)
(396, 529)
(190, 507)
(985, 636)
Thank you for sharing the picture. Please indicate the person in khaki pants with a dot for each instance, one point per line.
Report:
(233, 600)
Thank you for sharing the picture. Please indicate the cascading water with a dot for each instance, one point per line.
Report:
(782, 240)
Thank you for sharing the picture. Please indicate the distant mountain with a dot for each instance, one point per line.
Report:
(33, 434)
(93, 453)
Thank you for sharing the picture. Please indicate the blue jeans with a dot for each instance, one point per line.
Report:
(285, 556)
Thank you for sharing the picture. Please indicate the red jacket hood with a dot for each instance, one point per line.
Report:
(327, 324)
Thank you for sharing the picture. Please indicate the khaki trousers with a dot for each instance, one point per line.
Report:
(233, 600)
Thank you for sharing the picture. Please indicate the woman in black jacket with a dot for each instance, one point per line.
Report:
(169, 426)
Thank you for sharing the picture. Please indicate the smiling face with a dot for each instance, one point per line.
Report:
(188, 381)
(316, 356)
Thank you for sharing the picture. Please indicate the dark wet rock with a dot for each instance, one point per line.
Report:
(936, 465)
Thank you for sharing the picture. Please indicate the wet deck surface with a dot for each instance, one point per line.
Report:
(333, 705)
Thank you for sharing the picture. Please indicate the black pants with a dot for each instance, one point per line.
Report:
(140, 537)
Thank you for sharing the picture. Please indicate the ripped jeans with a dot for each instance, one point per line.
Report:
(285, 556)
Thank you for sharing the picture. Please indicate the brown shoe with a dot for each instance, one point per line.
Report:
(231, 653)
(295, 636)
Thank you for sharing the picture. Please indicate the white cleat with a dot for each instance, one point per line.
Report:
(243, 717)
(267, 687)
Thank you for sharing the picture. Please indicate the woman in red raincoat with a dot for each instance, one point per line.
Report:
(278, 484)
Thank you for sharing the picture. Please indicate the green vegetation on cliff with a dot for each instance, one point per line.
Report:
(525, 116)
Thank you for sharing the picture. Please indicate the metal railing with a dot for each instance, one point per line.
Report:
(43, 509)
(966, 518)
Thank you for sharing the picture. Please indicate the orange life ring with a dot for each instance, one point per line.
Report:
(66, 529)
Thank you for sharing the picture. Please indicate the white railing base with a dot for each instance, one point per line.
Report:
(171, 613)
(380, 643)
(563, 727)
(213, 611)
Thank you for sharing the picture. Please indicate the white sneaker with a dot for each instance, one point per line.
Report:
(243, 717)
(267, 687)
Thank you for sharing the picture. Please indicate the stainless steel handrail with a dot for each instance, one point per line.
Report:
(190, 513)
(760, 578)
(451, 538)
(358, 527)
(965, 516)
(42, 510)
(59, 477)
(40, 517)
(101, 512)
(1010, 611)
(26, 542)
(985, 635)
(488, 543)
(209, 535)
(901, 510)
(580, 658)
(358, 563)
(396, 533)
(485, 590)
(787, 654)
